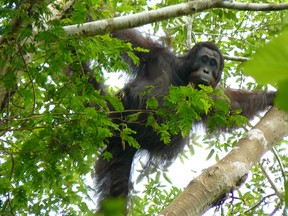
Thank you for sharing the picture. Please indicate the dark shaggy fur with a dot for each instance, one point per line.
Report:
(161, 68)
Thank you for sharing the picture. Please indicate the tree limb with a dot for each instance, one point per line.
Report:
(215, 182)
(105, 26)
(278, 192)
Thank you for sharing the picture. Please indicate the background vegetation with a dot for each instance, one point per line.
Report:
(49, 137)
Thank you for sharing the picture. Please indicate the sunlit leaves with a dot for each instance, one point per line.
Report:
(281, 97)
(270, 65)
(190, 105)
(51, 135)
(126, 135)
(115, 102)
(286, 194)
(53, 122)
(185, 106)
(113, 206)
(152, 103)
(80, 12)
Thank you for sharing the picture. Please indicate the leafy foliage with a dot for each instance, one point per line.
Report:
(185, 106)
(53, 121)
(272, 59)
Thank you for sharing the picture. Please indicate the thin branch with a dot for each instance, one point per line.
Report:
(105, 26)
(236, 58)
(278, 193)
(190, 32)
(280, 163)
(254, 6)
(259, 203)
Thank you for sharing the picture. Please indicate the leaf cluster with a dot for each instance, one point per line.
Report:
(53, 122)
(185, 106)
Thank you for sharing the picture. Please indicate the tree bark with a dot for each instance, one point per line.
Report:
(135, 20)
(230, 172)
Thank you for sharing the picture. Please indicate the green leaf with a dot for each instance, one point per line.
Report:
(152, 103)
(211, 153)
(286, 193)
(116, 103)
(127, 137)
(281, 96)
(270, 64)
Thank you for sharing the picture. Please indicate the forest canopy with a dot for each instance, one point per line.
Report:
(53, 122)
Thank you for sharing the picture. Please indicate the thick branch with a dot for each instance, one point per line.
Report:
(139, 19)
(212, 185)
